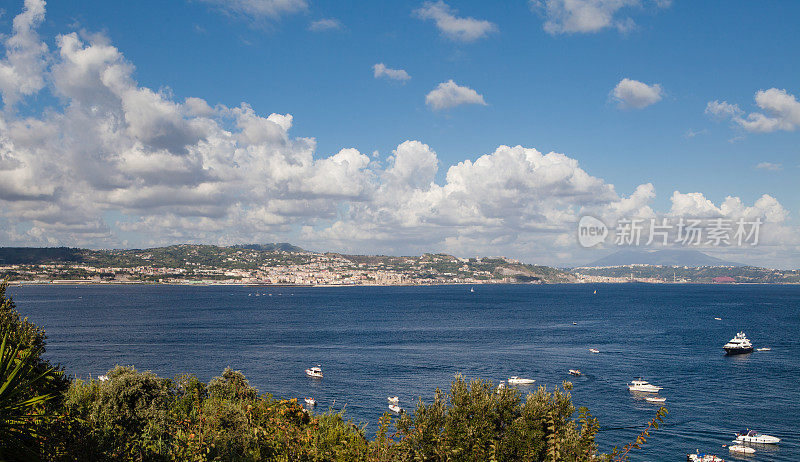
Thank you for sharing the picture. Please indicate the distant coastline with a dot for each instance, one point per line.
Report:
(278, 265)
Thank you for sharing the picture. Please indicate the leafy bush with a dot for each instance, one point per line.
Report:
(477, 422)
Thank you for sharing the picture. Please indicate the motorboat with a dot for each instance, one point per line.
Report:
(655, 399)
(311, 402)
(643, 386)
(472, 289)
(697, 457)
(593, 350)
(393, 399)
(102, 378)
(315, 371)
(514, 380)
(752, 436)
(739, 449)
(574, 372)
(574, 323)
(395, 408)
(738, 345)
(718, 319)
(763, 349)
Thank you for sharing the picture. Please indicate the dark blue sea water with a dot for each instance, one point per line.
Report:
(374, 342)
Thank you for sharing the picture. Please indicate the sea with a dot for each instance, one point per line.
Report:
(375, 342)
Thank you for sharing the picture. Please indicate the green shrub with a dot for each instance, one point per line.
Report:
(477, 422)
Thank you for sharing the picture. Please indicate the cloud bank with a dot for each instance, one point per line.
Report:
(117, 164)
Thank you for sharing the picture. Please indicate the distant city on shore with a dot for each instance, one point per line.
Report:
(285, 264)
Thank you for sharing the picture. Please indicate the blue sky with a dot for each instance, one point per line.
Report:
(546, 74)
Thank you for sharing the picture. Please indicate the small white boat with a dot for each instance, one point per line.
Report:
(643, 386)
(102, 378)
(501, 386)
(472, 289)
(575, 372)
(655, 399)
(574, 323)
(514, 380)
(718, 319)
(311, 402)
(393, 399)
(752, 436)
(395, 408)
(315, 371)
(739, 449)
(763, 349)
(593, 350)
(703, 458)
(594, 293)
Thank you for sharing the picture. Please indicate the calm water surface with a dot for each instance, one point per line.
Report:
(374, 342)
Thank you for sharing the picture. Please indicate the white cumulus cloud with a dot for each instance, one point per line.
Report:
(455, 28)
(21, 72)
(380, 70)
(449, 95)
(781, 111)
(588, 16)
(632, 94)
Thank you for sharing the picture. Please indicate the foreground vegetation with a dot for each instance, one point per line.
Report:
(138, 416)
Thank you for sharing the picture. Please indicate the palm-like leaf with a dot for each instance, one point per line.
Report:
(18, 412)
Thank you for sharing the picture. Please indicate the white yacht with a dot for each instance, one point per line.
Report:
(315, 371)
(311, 402)
(739, 449)
(738, 345)
(751, 436)
(594, 350)
(574, 372)
(703, 458)
(514, 380)
(395, 408)
(393, 399)
(643, 386)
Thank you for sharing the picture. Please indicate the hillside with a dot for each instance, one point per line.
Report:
(262, 264)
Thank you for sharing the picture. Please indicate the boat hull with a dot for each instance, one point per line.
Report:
(738, 351)
(762, 439)
(521, 381)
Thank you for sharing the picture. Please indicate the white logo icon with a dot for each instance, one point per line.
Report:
(591, 231)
